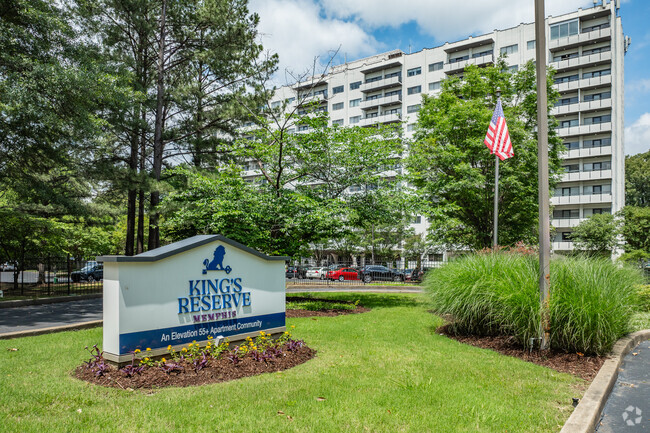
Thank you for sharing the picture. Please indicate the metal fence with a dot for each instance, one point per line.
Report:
(51, 276)
(351, 274)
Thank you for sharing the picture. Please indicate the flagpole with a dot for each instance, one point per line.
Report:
(495, 232)
(495, 240)
(542, 176)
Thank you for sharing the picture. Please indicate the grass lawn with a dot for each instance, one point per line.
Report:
(382, 371)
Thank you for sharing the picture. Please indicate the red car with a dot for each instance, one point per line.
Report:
(343, 274)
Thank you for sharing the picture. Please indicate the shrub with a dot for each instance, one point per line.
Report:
(644, 296)
(497, 294)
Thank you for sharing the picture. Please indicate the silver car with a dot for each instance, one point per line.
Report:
(316, 273)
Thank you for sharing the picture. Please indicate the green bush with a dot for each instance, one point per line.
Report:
(591, 303)
(644, 296)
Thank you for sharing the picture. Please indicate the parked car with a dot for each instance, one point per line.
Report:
(302, 271)
(343, 274)
(418, 274)
(8, 266)
(318, 273)
(380, 273)
(93, 271)
(408, 274)
(291, 272)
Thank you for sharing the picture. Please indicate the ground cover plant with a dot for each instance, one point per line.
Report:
(196, 364)
(386, 370)
(591, 306)
(310, 306)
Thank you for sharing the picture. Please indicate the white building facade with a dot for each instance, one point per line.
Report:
(585, 47)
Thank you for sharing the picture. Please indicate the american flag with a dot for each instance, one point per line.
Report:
(497, 138)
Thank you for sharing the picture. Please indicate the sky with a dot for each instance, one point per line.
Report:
(300, 31)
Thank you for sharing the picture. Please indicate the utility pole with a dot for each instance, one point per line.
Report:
(542, 176)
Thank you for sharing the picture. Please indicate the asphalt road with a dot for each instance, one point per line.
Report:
(628, 406)
(48, 315)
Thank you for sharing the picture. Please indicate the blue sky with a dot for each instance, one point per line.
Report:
(302, 30)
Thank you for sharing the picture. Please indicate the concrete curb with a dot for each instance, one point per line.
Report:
(51, 330)
(587, 414)
(52, 300)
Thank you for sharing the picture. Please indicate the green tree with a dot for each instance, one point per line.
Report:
(636, 228)
(637, 179)
(453, 171)
(597, 234)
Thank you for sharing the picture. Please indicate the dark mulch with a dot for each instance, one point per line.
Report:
(585, 367)
(325, 312)
(220, 370)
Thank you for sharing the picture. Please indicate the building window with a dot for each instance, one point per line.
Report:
(411, 127)
(571, 168)
(337, 122)
(596, 50)
(598, 119)
(597, 189)
(597, 166)
(513, 68)
(393, 111)
(596, 27)
(414, 90)
(434, 86)
(459, 59)
(568, 123)
(435, 66)
(571, 145)
(413, 108)
(414, 71)
(276, 104)
(598, 142)
(393, 74)
(290, 100)
(337, 89)
(355, 85)
(567, 79)
(393, 93)
(566, 237)
(355, 102)
(566, 213)
(595, 74)
(598, 96)
(565, 56)
(566, 101)
(510, 49)
(530, 45)
(597, 211)
(482, 53)
(337, 106)
(303, 128)
(373, 79)
(416, 219)
(355, 119)
(562, 30)
(355, 188)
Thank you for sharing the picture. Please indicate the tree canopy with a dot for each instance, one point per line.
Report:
(453, 172)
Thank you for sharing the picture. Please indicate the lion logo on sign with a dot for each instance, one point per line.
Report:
(217, 262)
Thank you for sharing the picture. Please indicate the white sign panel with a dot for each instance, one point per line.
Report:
(203, 286)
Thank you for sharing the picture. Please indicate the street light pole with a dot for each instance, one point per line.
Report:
(542, 176)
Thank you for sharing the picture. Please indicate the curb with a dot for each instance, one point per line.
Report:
(41, 301)
(587, 414)
(51, 330)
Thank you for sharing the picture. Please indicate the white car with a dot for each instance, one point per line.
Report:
(318, 273)
(8, 266)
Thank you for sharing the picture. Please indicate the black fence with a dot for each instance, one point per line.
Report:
(50, 276)
(353, 274)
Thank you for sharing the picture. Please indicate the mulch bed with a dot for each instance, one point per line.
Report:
(220, 370)
(585, 367)
(326, 312)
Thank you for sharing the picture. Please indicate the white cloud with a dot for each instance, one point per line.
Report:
(444, 19)
(637, 135)
(298, 32)
(639, 86)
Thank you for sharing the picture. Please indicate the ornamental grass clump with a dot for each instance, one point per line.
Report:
(591, 304)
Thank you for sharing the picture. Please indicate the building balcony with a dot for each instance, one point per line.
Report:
(452, 68)
(579, 39)
(586, 175)
(561, 223)
(562, 246)
(585, 83)
(585, 129)
(581, 199)
(582, 61)
(581, 106)
(384, 83)
(313, 99)
(587, 152)
(380, 102)
(382, 118)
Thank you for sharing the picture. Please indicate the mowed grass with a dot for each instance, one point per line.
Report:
(382, 371)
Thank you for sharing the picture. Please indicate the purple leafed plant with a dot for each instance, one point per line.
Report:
(233, 357)
(96, 363)
(294, 345)
(169, 367)
(200, 363)
(132, 369)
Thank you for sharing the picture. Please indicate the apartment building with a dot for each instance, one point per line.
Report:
(586, 48)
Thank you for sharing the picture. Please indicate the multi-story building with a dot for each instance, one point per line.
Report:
(585, 47)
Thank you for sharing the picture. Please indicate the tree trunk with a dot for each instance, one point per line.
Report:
(154, 230)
